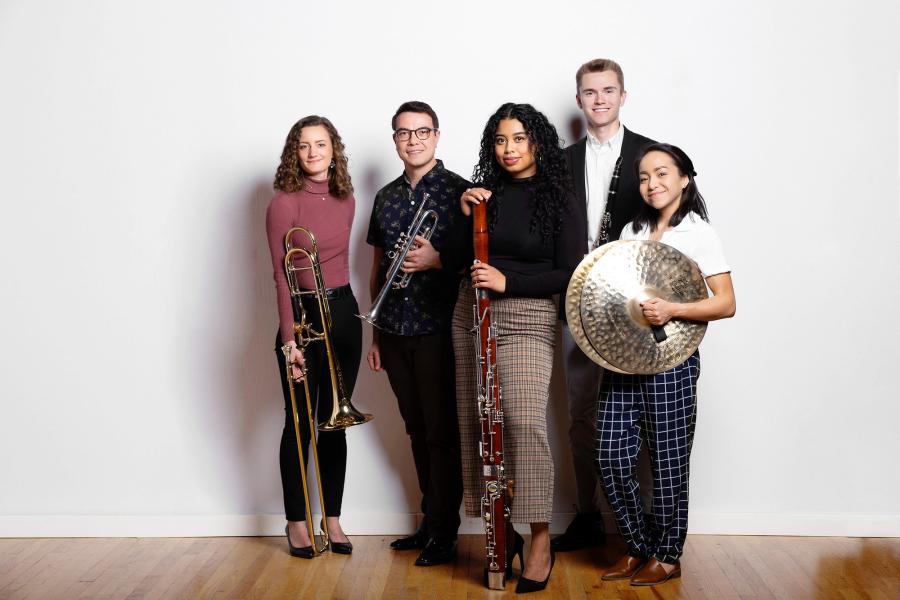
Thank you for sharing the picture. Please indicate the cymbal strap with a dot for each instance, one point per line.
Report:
(659, 334)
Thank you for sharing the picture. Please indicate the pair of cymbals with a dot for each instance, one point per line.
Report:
(603, 306)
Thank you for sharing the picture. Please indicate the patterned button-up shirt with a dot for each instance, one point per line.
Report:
(426, 304)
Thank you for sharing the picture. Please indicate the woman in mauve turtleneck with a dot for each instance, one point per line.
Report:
(535, 241)
(313, 190)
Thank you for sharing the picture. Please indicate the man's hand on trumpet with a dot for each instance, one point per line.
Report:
(421, 257)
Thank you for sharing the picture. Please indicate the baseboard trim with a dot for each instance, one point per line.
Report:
(358, 523)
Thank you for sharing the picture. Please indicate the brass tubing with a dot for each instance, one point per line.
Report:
(313, 440)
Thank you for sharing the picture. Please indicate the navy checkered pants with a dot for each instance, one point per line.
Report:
(660, 409)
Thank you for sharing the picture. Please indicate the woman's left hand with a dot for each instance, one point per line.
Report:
(658, 311)
(472, 196)
(487, 277)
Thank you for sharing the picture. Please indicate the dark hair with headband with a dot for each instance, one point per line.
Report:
(691, 200)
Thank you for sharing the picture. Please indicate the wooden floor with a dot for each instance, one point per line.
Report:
(715, 567)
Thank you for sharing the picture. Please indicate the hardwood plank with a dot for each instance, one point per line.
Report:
(714, 567)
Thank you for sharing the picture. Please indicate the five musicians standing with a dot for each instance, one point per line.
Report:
(546, 209)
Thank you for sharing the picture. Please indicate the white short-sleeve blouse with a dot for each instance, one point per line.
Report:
(693, 237)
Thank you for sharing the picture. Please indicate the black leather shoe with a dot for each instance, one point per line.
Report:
(526, 586)
(339, 547)
(415, 541)
(298, 551)
(437, 552)
(585, 530)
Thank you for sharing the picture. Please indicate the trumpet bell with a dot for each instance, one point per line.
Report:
(371, 318)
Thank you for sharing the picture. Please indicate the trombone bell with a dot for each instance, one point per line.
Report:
(345, 416)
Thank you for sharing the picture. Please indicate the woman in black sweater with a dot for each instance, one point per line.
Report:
(535, 244)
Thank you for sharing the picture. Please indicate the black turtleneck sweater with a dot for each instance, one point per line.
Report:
(533, 267)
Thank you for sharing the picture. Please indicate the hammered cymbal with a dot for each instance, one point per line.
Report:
(611, 316)
(573, 305)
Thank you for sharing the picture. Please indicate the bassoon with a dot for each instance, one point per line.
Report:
(497, 495)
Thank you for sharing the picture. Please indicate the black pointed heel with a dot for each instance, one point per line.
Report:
(298, 551)
(526, 586)
(518, 549)
(338, 547)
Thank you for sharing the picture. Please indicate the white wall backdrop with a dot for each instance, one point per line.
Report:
(138, 141)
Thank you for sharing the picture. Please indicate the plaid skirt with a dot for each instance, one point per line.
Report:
(525, 338)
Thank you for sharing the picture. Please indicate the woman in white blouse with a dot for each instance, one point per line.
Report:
(660, 409)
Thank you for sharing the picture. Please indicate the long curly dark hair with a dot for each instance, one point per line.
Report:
(691, 199)
(290, 177)
(552, 182)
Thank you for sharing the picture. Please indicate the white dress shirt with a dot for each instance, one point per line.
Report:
(599, 164)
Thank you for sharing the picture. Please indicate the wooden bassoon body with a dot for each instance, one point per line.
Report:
(497, 494)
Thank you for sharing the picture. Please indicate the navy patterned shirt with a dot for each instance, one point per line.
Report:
(426, 304)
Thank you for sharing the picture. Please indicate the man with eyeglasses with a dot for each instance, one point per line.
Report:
(603, 175)
(412, 341)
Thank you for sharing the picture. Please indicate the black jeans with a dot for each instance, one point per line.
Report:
(346, 339)
(421, 372)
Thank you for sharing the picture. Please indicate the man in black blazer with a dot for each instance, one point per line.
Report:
(602, 168)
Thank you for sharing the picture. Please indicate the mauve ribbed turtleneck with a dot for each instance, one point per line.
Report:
(329, 219)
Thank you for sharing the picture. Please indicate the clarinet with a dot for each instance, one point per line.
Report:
(606, 220)
(497, 496)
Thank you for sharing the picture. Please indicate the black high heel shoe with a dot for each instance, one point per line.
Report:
(339, 547)
(518, 549)
(526, 586)
(298, 551)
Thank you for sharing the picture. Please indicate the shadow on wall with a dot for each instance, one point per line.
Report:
(225, 360)
(373, 393)
(254, 398)
(576, 127)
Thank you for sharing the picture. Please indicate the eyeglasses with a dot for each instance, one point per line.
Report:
(403, 135)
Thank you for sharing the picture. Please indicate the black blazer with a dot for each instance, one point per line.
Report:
(628, 199)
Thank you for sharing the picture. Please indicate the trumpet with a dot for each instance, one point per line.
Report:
(424, 224)
(343, 413)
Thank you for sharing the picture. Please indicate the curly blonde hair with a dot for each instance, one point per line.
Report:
(290, 177)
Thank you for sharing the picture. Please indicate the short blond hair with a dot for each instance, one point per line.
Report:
(596, 66)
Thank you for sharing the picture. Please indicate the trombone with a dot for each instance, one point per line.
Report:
(343, 413)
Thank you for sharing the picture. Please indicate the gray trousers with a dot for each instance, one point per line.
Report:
(583, 379)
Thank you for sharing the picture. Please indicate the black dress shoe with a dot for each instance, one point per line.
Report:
(437, 552)
(585, 530)
(526, 586)
(339, 547)
(298, 551)
(415, 541)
